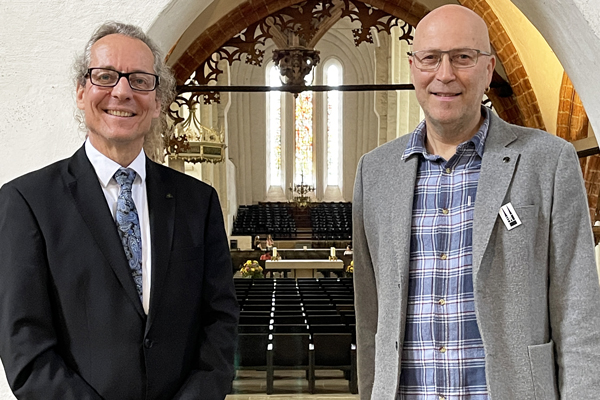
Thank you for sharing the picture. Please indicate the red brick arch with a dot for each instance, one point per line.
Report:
(522, 108)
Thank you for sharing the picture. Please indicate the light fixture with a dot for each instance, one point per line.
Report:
(296, 62)
(193, 142)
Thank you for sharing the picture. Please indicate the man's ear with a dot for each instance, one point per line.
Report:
(80, 96)
(156, 113)
(491, 66)
(410, 64)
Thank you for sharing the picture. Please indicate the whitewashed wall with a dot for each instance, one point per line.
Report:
(39, 39)
(38, 43)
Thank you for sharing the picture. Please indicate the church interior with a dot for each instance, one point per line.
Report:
(277, 101)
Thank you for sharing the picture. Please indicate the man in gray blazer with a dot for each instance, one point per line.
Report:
(474, 267)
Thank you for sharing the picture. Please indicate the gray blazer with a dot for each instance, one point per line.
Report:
(536, 287)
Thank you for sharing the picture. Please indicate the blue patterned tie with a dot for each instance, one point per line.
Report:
(128, 225)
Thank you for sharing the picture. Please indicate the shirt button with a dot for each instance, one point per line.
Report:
(441, 398)
(442, 349)
(443, 257)
(148, 343)
(442, 302)
(445, 211)
(448, 170)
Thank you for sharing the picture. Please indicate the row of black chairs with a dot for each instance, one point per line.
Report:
(331, 221)
(309, 352)
(325, 221)
(274, 218)
(306, 324)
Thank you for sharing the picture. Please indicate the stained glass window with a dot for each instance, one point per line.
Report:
(303, 120)
(273, 130)
(333, 77)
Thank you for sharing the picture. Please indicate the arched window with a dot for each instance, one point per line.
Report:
(303, 128)
(274, 150)
(333, 75)
(310, 125)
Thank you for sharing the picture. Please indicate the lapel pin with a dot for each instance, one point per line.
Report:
(169, 196)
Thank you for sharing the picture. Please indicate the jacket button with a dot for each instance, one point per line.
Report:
(148, 343)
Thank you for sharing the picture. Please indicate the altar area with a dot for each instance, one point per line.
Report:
(304, 268)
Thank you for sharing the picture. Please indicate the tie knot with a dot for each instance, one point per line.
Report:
(125, 177)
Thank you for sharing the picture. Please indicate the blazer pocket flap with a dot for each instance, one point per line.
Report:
(186, 254)
(543, 373)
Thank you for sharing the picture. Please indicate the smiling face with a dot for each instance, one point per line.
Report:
(118, 118)
(451, 97)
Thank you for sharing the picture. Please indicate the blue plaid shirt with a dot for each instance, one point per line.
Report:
(443, 356)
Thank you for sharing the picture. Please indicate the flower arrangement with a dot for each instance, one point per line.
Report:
(251, 269)
(350, 268)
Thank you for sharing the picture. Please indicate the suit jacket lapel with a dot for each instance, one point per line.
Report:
(497, 170)
(161, 205)
(406, 173)
(85, 188)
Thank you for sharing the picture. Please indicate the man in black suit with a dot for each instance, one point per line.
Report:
(141, 308)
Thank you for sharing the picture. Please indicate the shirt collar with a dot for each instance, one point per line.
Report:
(105, 167)
(416, 142)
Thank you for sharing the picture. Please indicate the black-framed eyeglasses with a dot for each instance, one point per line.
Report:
(140, 81)
(430, 60)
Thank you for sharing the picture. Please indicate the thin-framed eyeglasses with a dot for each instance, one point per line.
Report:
(430, 60)
(105, 77)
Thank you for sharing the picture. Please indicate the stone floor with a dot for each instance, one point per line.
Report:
(251, 385)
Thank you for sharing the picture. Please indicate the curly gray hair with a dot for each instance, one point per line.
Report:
(165, 91)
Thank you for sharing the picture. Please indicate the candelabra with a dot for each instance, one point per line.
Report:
(301, 192)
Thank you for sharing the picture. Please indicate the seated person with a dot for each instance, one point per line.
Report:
(270, 242)
(257, 246)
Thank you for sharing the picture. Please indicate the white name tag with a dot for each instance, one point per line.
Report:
(509, 216)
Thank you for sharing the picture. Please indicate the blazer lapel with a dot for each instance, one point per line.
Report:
(161, 205)
(497, 170)
(406, 174)
(85, 188)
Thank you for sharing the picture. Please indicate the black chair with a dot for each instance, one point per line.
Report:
(289, 319)
(252, 351)
(264, 319)
(255, 328)
(289, 351)
(288, 328)
(329, 328)
(324, 319)
(334, 351)
(257, 307)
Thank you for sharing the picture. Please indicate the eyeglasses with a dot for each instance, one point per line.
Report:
(430, 60)
(140, 81)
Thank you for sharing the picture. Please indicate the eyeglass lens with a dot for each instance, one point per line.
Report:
(137, 80)
(459, 58)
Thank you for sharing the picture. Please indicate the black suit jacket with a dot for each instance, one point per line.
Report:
(72, 324)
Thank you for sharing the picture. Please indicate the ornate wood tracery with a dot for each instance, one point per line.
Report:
(300, 25)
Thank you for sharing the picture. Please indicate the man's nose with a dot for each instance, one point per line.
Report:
(122, 88)
(445, 72)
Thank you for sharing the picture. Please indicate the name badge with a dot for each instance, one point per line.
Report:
(509, 216)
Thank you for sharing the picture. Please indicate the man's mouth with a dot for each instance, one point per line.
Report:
(442, 94)
(118, 113)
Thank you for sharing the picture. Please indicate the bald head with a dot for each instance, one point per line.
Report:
(454, 26)
(450, 93)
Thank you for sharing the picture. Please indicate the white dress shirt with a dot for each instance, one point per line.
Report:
(105, 169)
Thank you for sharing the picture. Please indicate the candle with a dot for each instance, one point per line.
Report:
(332, 252)
(274, 252)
